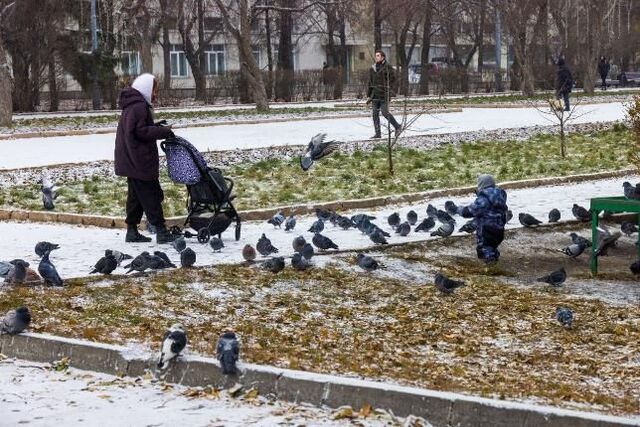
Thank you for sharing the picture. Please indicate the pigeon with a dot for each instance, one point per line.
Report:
(469, 227)
(139, 263)
(366, 262)
(48, 193)
(323, 242)
(509, 215)
(554, 215)
(631, 192)
(299, 262)
(528, 220)
(165, 258)
(307, 251)
(274, 265)
(15, 321)
(394, 220)
(359, 218)
(344, 223)
(556, 278)
(444, 217)
(298, 243)
(316, 227)
(264, 246)
(412, 217)
(576, 239)
(277, 220)
(228, 352)
(564, 315)
(635, 267)
(187, 258)
(179, 244)
(431, 211)
(216, 244)
(316, 150)
(606, 240)
(5, 268)
(290, 223)
(446, 285)
(324, 214)
(446, 229)
(173, 342)
(378, 238)
(581, 213)
(44, 247)
(105, 265)
(426, 225)
(155, 262)
(628, 228)
(574, 250)
(119, 256)
(17, 271)
(249, 253)
(367, 227)
(450, 207)
(403, 229)
(48, 271)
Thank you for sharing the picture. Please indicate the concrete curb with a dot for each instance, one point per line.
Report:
(439, 408)
(303, 209)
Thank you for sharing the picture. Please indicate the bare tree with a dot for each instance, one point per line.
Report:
(427, 33)
(404, 21)
(145, 27)
(6, 106)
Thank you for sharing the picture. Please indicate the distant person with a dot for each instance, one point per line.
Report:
(382, 86)
(564, 83)
(136, 157)
(603, 69)
(490, 213)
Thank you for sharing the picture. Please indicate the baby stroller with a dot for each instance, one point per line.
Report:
(209, 206)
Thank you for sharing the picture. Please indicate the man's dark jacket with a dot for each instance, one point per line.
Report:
(564, 79)
(382, 81)
(603, 68)
(136, 153)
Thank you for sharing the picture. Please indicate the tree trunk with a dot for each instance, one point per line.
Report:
(285, 72)
(342, 64)
(377, 24)
(6, 107)
(424, 55)
(22, 88)
(166, 56)
(267, 29)
(54, 101)
(483, 8)
(146, 57)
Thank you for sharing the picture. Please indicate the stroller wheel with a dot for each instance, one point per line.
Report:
(238, 227)
(203, 235)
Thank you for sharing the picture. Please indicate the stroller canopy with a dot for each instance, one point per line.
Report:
(185, 163)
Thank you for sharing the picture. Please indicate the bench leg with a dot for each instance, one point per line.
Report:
(594, 239)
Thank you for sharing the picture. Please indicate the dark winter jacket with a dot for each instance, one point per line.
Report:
(603, 68)
(564, 79)
(382, 81)
(489, 208)
(136, 153)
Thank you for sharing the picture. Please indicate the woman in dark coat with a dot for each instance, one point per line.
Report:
(136, 158)
(564, 83)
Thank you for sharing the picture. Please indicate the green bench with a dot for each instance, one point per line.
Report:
(612, 204)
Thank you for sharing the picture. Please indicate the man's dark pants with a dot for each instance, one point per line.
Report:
(382, 105)
(144, 197)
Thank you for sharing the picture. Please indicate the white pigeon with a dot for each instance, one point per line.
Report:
(173, 342)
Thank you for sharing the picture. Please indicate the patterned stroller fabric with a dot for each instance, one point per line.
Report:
(184, 161)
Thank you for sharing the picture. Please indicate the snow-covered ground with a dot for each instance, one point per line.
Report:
(81, 246)
(24, 153)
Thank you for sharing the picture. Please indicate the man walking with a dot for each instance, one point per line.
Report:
(382, 85)
(603, 70)
(564, 83)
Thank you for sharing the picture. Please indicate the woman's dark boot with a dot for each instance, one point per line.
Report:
(164, 236)
(133, 236)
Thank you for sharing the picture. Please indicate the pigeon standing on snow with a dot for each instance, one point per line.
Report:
(450, 207)
(165, 257)
(426, 225)
(564, 315)
(316, 150)
(307, 251)
(249, 253)
(446, 285)
(216, 244)
(48, 194)
(394, 220)
(581, 213)
(631, 192)
(573, 250)
(48, 271)
(299, 262)
(290, 223)
(446, 229)
(119, 256)
(360, 218)
(635, 267)
(274, 265)
(264, 246)
(444, 217)
(554, 215)
(366, 262)
(431, 211)
(378, 238)
(173, 342)
(344, 222)
(15, 321)
(324, 214)
(469, 227)
(228, 352)
(105, 265)
(276, 220)
(17, 271)
(44, 247)
(139, 263)
(179, 244)
(528, 220)
(576, 239)
(187, 258)
(556, 278)
(316, 227)
(323, 242)
(403, 229)
(412, 217)
(298, 243)
(628, 228)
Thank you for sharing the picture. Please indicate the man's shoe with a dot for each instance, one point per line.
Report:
(133, 236)
(376, 136)
(165, 236)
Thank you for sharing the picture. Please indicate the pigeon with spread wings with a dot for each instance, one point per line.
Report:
(316, 150)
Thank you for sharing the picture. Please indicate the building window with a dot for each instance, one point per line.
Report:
(130, 63)
(215, 59)
(178, 61)
(256, 54)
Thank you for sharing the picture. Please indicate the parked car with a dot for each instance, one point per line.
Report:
(433, 68)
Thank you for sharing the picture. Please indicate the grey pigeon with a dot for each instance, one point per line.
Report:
(469, 227)
(446, 285)
(179, 244)
(264, 246)
(105, 265)
(323, 242)
(307, 251)
(48, 271)
(44, 247)
(274, 265)
(48, 193)
(378, 238)
(412, 217)
(555, 278)
(575, 238)
(444, 217)
(431, 211)
(139, 263)
(366, 262)
(573, 250)
(15, 321)
(426, 225)
(299, 262)
(564, 315)
(298, 243)
(581, 213)
(528, 220)
(631, 192)
(628, 228)
(119, 256)
(317, 149)
(324, 214)
(344, 223)
(156, 262)
(450, 207)
(173, 342)
(228, 352)
(216, 244)
(249, 253)
(277, 220)
(635, 267)
(367, 227)
(403, 229)
(290, 223)
(165, 257)
(509, 215)
(17, 271)
(606, 240)
(446, 229)
(394, 219)
(554, 215)
(359, 218)
(187, 258)
(5, 268)
(316, 227)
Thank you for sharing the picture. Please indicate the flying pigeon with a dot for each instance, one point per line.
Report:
(105, 265)
(394, 220)
(469, 227)
(366, 262)
(139, 263)
(264, 246)
(299, 262)
(556, 278)
(446, 285)
(48, 193)
(628, 228)
(15, 321)
(48, 271)
(323, 242)
(307, 251)
(179, 244)
(378, 238)
(228, 352)
(173, 342)
(165, 257)
(450, 207)
(324, 214)
(444, 217)
(635, 267)
(426, 225)
(249, 253)
(290, 223)
(412, 217)
(573, 250)
(274, 265)
(431, 211)
(581, 213)
(403, 229)
(606, 240)
(580, 240)
(44, 247)
(564, 315)
(316, 150)
(528, 220)
(446, 229)
(631, 192)
(119, 256)
(187, 258)
(216, 244)
(277, 220)
(554, 215)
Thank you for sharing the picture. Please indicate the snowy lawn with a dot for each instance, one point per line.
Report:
(360, 174)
